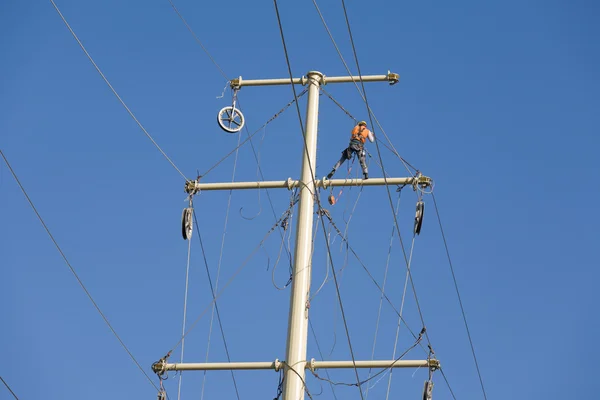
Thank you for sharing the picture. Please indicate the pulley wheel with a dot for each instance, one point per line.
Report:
(187, 223)
(230, 119)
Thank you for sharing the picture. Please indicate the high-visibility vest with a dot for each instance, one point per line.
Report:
(359, 133)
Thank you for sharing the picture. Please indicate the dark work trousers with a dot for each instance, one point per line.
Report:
(354, 147)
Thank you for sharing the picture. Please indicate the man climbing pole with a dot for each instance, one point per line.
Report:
(358, 137)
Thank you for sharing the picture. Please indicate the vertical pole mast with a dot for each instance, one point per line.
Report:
(298, 318)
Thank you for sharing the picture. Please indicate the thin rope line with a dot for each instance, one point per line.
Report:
(255, 132)
(383, 169)
(114, 91)
(185, 298)
(447, 383)
(257, 158)
(9, 389)
(212, 291)
(369, 110)
(198, 40)
(73, 271)
(212, 316)
(322, 358)
(400, 317)
(387, 265)
(317, 196)
(462, 309)
(233, 276)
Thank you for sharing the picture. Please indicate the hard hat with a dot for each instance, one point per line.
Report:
(362, 123)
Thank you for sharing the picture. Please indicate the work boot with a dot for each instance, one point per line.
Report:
(365, 175)
(330, 175)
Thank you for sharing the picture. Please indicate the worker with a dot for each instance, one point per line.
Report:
(358, 137)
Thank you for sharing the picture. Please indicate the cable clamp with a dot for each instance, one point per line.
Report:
(393, 78)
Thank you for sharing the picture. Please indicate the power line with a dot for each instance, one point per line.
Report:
(73, 271)
(382, 168)
(185, 299)
(462, 309)
(212, 291)
(233, 276)
(9, 389)
(447, 383)
(369, 110)
(198, 40)
(212, 315)
(318, 201)
(114, 91)
(249, 138)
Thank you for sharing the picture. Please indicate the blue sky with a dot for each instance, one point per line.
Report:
(497, 102)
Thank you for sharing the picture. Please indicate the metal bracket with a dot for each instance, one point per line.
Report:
(393, 78)
(434, 364)
(311, 366)
(159, 367)
(277, 365)
(324, 182)
(236, 83)
(191, 187)
(290, 183)
(423, 182)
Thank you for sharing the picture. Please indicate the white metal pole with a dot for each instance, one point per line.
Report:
(312, 365)
(291, 184)
(298, 318)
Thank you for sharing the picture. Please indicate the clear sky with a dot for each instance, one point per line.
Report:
(497, 102)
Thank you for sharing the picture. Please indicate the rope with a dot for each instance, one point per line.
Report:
(399, 318)
(383, 169)
(360, 383)
(75, 273)
(385, 296)
(462, 309)
(322, 358)
(115, 92)
(233, 276)
(447, 383)
(185, 298)
(9, 389)
(387, 265)
(294, 100)
(198, 40)
(317, 193)
(356, 85)
(212, 291)
(212, 316)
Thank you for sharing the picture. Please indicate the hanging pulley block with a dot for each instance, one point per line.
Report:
(428, 390)
(187, 223)
(419, 217)
(331, 199)
(230, 119)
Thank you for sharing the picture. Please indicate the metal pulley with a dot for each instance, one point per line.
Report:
(428, 390)
(187, 223)
(331, 199)
(419, 217)
(230, 119)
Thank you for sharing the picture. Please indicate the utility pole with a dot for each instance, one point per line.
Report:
(296, 361)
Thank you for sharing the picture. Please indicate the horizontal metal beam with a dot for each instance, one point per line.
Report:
(291, 184)
(312, 365)
(392, 78)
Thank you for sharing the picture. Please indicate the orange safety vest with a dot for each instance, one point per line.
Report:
(359, 133)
